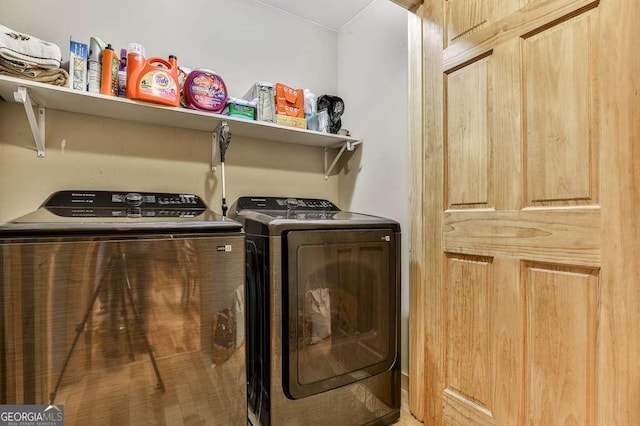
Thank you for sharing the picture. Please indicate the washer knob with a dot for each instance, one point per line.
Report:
(133, 199)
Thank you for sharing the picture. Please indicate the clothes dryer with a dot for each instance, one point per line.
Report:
(323, 304)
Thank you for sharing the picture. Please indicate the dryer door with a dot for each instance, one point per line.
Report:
(341, 293)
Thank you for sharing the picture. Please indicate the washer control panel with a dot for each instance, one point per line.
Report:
(124, 204)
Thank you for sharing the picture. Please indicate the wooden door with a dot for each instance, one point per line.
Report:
(530, 197)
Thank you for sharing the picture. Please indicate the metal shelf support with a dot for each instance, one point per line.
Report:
(346, 146)
(37, 125)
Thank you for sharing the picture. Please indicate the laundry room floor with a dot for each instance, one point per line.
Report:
(406, 419)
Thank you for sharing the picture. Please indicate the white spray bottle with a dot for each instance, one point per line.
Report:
(94, 65)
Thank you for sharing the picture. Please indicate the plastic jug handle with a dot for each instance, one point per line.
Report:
(160, 61)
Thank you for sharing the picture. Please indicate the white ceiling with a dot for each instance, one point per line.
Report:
(333, 14)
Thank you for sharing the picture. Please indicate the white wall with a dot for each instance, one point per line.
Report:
(372, 80)
(242, 40)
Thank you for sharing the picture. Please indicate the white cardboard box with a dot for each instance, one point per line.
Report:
(79, 53)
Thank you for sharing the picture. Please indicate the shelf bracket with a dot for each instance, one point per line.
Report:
(346, 146)
(37, 126)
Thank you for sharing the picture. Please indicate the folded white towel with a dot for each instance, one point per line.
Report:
(28, 50)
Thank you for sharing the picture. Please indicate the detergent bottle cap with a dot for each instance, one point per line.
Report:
(135, 48)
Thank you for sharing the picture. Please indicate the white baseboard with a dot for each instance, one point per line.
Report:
(404, 381)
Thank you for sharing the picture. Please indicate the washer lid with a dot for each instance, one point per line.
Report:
(120, 211)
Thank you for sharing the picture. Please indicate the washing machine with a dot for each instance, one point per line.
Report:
(323, 306)
(124, 308)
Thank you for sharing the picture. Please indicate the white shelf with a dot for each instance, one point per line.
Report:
(65, 99)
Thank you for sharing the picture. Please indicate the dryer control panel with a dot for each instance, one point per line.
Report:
(280, 203)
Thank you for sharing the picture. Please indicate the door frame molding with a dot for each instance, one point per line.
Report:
(426, 130)
(417, 322)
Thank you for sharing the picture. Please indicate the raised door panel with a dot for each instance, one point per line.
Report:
(483, 331)
(467, 143)
(483, 131)
(468, 335)
(468, 328)
(561, 344)
(561, 113)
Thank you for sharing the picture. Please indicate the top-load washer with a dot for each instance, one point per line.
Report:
(323, 303)
(124, 308)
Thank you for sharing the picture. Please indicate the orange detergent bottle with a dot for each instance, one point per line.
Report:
(153, 80)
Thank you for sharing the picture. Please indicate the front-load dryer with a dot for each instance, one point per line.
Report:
(323, 304)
